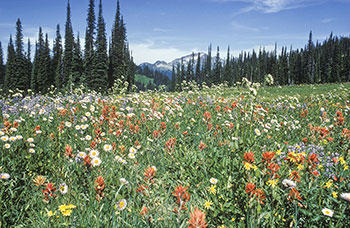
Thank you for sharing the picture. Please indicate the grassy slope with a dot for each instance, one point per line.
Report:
(143, 79)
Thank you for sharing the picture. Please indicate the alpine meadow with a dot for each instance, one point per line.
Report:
(93, 134)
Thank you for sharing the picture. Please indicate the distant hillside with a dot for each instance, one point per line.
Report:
(143, 79)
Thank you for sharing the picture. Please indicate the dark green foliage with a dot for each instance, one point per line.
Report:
(207, 68)
(68, 49)
(76, 76)
(9, 82)
(20, 77)
(89, 57)
(43, 64)
(216, 77)
(172, 84)
(28, 63)
(2, 67)
(227, 77)
(56, 76)
(198, 75)
(100, 71)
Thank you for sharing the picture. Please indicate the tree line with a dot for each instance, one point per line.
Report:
(327, 62)
(97, 67)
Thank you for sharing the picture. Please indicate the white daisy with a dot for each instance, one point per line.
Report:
(88, 137)
(2, 133)
(213, 180)
(7, 146)
(345, 196)
(4, 176)
(131, 155)
(77, 127)
(19, 137)
(81, 155)
(31, 150)
(107, 147)
(327, 212)
(289, 183)
(38, 131)
(63, 188)
(30, 140)
(257, 132)
(68, 124)
(94, 153)
(96, 161)
(4, 138)
(121, 205)
(12, 138)
(132, 150)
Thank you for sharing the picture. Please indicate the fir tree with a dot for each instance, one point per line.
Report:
(35, 68)
(56, 76)
(20, 75)
(68, 48)
(43, 64)
(207, 68)
(9, 82)
(99, 82)
(217, 69)
(76, 76)
(2, 67)
(198, 78)
(228, 69)
(172, 84)
(89, 62)
(310, 61)
(28, 63)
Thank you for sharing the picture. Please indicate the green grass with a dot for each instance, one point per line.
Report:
(143, 79)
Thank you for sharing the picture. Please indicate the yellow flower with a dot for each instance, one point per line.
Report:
(212, 189)
(328, 184)
(300, 167)
(247, 166)
(272, 183)
(66, 212)
(50, 213)
(70, 206)
(207, 204)
(320, 166)
(62, 208)
(334, 194)
(342, 161)
(278, 152)
(346, 167)
(233, 219)
(254, 167)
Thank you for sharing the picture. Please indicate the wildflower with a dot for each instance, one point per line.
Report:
(327, 212)
(132, 150)
(207, 204)
(107, 147)
(328, 184)
(96, 161)
(289, 183)
(144, 211)
(131, 155)
(68, 124)
(335, 195)
(7, 146)
(272, 183)
(247, 165)
(39, 180)
(12, 138)
(4, 176)
(62, 208)
(213, 180)
(124, 181)
(81, 155)
(94, 153)
(30, 140)
(249, 188)
(49, 191)
(149, 174)
(121, 205)
(4, 138)
(31, 150)
(197, 219)
(345, 196)
(182, 196)
(257, 132)
(88, 137)
(19, 137)
(99, 187)
(249, 157)
(50, 213)
(66, 212)
(294, 194)
(63, 188)
(212, 189)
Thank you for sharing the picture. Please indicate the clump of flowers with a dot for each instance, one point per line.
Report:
(49, 191)
(39, 180)
(182, 196)
(66, 210)
(197, 219)
(99, 187)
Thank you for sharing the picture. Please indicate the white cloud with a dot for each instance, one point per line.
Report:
(327, 20)
(240, 27)
(148, 52)
(274, 6)
(160, 30)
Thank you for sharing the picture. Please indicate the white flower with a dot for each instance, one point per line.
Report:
(4, 138)
(132, 150)
(63, 188)
(13, 129)
(12, 138)
(30, 140)
(19, 137)
(68, 124)
(81, 155)
(77, 127)
(7, 146)
(121, 205)
(327, 212)
(213, 180)
(257, 132)
(107, 147)
(94, 153)
(31, 144)
(2, 133)
(345, 196)
(96, 161)
(88, 137)
(131, 155)
(31, 150)
(4, 176)
(124, 181)
(289, 183)
(154, 168)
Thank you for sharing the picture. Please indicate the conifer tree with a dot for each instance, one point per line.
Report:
(310, 61)
(217, 69)
(178, 77)
(20, 75)
(43, 64)
(56, 76)
(228, 69)
(68, 48)
(35, 68)
(2, 67)
(9, 82)
(76, 76)
(172, 84)
(89, 56)
(28, 63)
(99, 81)
(207, 68)
(198, 78)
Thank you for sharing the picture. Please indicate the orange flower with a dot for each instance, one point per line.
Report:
(144, 211)
(197, 219)
(294, 194)
(202, 146)
(207, 116)
(268, 156)
(149, 174)
(249, 157)
(99, 187)
(181, 196)
(249, 188)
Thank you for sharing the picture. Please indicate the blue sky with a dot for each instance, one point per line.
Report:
(167, 29)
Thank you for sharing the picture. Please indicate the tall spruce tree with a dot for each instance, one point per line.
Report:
(198, 74)
(43, 64)
(29, 64)
(217, 69)
(76, 76)
(35, 68)
(10, 82)
(68, 48)
(228, 69)
(20, 75)
(172, 84)
(89, 62)
(56, 76)
(2, 67)
(310, 74)
(99, 81)
(208, 68)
